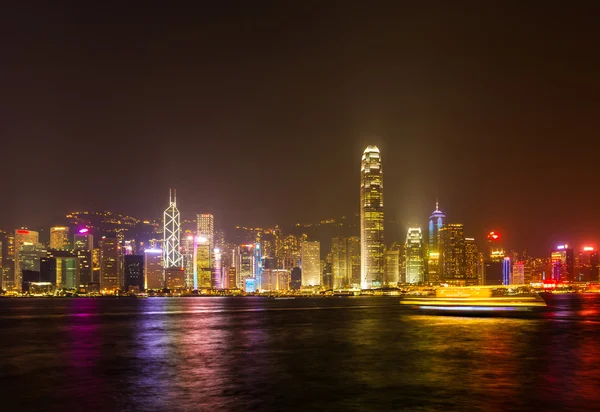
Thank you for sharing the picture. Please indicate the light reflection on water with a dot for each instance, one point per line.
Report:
(303, 354)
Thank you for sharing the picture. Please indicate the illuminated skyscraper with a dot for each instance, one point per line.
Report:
(275, 280)
(452, 255)
(217, 278)
(244, 263)
(371, 218)
(339, 262)
(436, 223)
(562, 264)
(506, 271)
(310, 261)
(353, 269)
(495, 251)
(471, 262)
(84, 267)
(134, 273)
(172, 235)
(153, 269)
(59, 237)
(392, 267)
(187, 251)
(202, 264)
(83, 240)
(587, 265)
(518, 273)
(414, 256)
(175, 278)
(22, 237)
(206, 228)
(257, 265)
(109, 263)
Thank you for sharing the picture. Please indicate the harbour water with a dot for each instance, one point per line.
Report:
(320, 354)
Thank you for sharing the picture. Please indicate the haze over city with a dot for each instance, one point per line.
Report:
(260, 115)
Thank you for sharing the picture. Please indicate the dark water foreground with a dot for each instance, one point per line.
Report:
(347, 354)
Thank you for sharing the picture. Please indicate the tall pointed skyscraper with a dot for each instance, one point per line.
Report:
(172, 235)
(371, 219)
(436, 223)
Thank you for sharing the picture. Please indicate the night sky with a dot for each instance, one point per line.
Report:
(259, 112)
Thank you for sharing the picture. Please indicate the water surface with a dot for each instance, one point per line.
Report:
(347, 354)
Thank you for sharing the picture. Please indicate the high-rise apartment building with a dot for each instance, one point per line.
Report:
(371, 218)
(109, 263)
(452, 255)
(59, 237)
(310, 261)
(436, 223)
(153, 269)
(414, 256)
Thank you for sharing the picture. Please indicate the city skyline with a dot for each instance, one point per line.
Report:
(478, 127)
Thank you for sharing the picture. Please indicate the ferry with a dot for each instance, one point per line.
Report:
(477, 300)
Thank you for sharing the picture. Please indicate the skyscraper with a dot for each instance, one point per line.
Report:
(109, 264)
(506, 271)
(153, 269)
(339, 262)
(59, 237)
(84, 267)
(392, 267)
(353, 269)
(371, 218)
(172, 235)
(471, 262)
(587, 265)
(452, 254)
(83, 240)
(134, 273)
(518, 273)
(310, 261)
(414, 255)
(436, 223)
(206, 228)
(22, 237)
(562, 263)
(202, 264)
